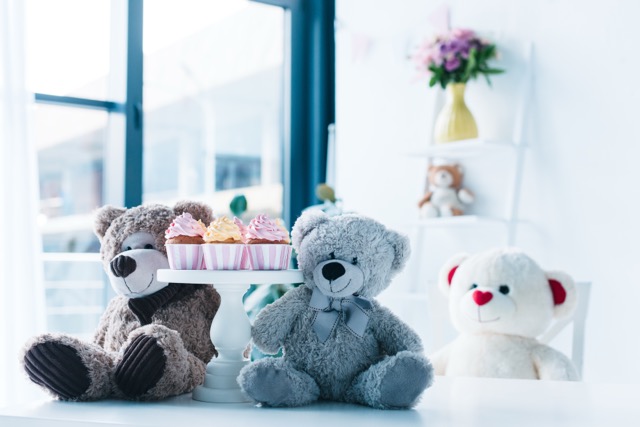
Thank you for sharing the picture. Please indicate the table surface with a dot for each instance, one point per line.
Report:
(449, 402)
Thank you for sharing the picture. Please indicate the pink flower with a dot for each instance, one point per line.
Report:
(462, 34)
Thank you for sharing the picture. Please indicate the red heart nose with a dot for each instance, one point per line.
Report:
(481, 298)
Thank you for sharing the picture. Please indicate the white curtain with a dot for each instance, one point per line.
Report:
(21, 280)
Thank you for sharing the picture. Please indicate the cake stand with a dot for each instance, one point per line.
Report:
(230, 329)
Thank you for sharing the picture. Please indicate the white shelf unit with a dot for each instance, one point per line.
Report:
(465, 149)
(470, 148)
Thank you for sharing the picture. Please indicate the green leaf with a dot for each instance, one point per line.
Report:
(325, 192)
(486, 76)
(471, 64)
(493, 71)
(238, 205)
(433, 81)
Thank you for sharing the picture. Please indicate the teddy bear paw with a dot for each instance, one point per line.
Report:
(267, 385)
(274, 384)
(404, 381)
(429, 211)
(141, 367)
(57, 367)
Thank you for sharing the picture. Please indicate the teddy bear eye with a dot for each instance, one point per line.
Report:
(473, 286)
(332, 255)
(355, 260)
(148, 246)
(504, 289)
(128, 248)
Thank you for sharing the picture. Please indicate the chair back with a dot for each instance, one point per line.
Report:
(578, 320)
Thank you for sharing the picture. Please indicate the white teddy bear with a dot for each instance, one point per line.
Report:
(500, 301)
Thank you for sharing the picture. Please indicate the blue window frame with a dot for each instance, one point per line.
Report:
(312, 100)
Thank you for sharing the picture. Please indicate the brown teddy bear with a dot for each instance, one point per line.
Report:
(153, 340)
(445, 196)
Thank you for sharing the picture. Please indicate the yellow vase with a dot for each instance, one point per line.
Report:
(455, 121)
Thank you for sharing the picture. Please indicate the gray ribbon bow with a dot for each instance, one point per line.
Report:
(353, 309)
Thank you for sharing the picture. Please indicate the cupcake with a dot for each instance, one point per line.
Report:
(223, 248)
(267, 244)
(184, 237)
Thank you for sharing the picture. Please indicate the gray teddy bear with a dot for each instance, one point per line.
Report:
(153, 339)
(339, 343)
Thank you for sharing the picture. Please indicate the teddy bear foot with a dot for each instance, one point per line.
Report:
(429, 211)
(272, 383)
(58, 368)
(141, 367)
(404, 381)
(394, 383)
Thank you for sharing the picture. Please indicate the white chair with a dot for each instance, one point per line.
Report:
(579, 319)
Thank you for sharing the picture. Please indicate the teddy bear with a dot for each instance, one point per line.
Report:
(338, 342)
(153, 339)
(445, 197)
(500, 300)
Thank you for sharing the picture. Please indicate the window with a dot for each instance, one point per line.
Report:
(77, 69)
(237, 98)
(213, 103)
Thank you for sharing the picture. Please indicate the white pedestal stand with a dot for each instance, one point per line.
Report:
(230, 329)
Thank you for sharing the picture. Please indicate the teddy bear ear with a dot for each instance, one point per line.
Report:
(198, 210)
(448, 270)
(565, 295)
(401, 248)
(104, 216)
(304, 224)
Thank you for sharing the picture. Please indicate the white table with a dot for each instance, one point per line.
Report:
(449, 402)
(230, 329)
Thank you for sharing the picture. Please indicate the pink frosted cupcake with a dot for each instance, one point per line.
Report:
(223, 248)
(184, 237)
(267, 244)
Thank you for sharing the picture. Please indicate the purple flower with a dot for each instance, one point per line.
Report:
(452, 63)
(445, 54)
(464, 48)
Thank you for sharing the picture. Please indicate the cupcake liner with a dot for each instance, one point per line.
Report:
(245, 264)
(269, 257)
(223, 256)
(185, 257)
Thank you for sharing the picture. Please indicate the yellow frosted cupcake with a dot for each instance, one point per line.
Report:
(223, 248)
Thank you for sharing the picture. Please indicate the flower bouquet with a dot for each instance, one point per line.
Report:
(451, 60)
(456, 57)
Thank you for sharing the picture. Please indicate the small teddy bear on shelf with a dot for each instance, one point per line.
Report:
(445, 197)
(339, 343)
(500, 301)
(153, 339)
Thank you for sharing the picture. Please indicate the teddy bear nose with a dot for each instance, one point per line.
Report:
(123, 266)
(481, 298)
(333, 270)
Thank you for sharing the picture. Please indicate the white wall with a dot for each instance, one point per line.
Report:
(580, 202)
